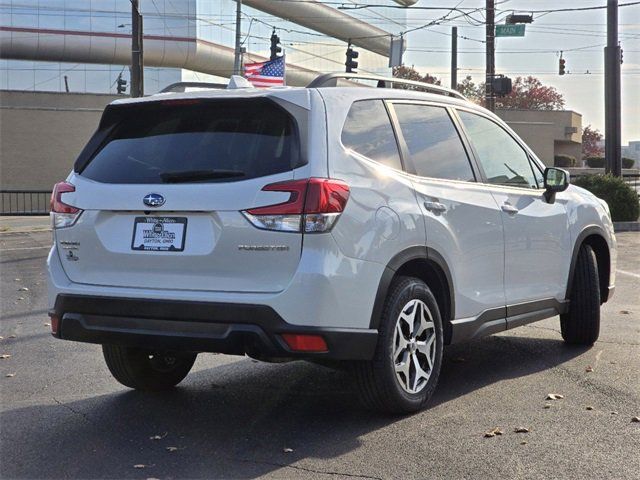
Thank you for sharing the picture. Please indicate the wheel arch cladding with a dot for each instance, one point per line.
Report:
(430, 267)
(595, 238)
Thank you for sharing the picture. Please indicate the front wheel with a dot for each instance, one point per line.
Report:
(581, 324)
(404, 372)
(145, 369)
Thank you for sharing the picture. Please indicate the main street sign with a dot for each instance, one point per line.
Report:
(510, 30)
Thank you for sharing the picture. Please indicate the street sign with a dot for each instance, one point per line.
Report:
(510, 30)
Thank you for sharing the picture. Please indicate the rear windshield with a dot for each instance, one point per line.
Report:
(215, 141)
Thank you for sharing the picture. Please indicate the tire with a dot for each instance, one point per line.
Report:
(581, 324)
(145, 369)
(392, 384)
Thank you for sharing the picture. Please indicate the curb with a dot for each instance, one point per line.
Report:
(626, 227)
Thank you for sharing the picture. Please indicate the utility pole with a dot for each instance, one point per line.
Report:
(454, 57)
(237, 64)
(612, 101)
(490, 101)
(137, 59)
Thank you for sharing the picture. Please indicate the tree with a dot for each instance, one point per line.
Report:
(591, 142)
(530, 94)
(410, 73)
(471, 90)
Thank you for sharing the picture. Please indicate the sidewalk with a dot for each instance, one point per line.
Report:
(24, 224)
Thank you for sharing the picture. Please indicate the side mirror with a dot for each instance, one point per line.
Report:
(555, 180)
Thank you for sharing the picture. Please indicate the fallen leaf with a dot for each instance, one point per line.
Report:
(524, 442)
(158, 437)
(554, 396)
(614, 413)
(287, 450)
(5, 355)
(9, 375)
(139, 465)
(493, 433)
(23, 289)
(635, 420)
(547, 405)
(20, 298)
(589, 369)
(625, 312)
(589, 407)
(521, 430)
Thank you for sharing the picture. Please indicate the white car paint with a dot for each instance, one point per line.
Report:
(332, 279)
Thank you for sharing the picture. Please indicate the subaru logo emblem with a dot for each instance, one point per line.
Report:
(153, 200)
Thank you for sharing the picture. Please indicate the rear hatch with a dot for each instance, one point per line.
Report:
(162, 185)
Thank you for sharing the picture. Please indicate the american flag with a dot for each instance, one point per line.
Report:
(265, 74)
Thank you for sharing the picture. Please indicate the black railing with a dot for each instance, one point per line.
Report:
(24, 202)
(631, 179)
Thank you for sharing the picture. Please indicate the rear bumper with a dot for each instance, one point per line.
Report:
(198, 326)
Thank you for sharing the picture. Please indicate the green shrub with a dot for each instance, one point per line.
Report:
(564, 161)
(622, 199)
(627, 162)
(595, 162)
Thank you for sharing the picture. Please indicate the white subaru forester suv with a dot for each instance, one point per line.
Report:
(371, 226)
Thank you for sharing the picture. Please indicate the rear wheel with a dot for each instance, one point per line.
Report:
(581, 324)
(145, 369)
(404, 372)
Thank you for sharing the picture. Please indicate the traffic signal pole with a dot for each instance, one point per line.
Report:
(137, 60)
(454, 57)
(490, 101)
(237, 67)
(612, 96)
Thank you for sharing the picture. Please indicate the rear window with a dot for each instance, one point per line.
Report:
(211, 141)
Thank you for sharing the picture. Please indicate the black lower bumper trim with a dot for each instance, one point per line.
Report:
(198, 326)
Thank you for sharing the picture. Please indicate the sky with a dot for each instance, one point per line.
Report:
(580, 35)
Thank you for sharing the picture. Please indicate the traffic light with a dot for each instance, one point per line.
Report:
(275, 46)
(561, 66)
(121, 84)
(514, 19)
(501, 86)
(351, 64)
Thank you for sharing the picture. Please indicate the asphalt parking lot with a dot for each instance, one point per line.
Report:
(63, 416)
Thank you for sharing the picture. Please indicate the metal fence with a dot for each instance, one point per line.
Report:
(631, 179)
(24, 202)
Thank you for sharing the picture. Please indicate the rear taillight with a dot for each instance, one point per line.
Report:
(313, 207)
(62, 214)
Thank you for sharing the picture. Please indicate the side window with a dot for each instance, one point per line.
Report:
(368, 131)
(433, 142)
(503, 160)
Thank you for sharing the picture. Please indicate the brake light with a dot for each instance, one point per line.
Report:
(305, 343)
(313, 206)
(63, 214)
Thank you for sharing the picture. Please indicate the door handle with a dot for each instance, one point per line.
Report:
(510, 209)
(435, 207)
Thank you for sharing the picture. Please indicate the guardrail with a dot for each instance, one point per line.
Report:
(24, 202)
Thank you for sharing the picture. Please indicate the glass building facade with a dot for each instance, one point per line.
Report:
(204, 20)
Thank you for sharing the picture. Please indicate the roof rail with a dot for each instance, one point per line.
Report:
(180, 87)
(331, 80)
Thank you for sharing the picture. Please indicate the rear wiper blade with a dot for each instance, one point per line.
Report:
(195, 175)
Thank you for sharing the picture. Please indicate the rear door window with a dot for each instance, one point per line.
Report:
(435, 147)
(368, 131)
(207, 141)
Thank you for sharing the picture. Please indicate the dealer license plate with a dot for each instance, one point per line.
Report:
(160, 234)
